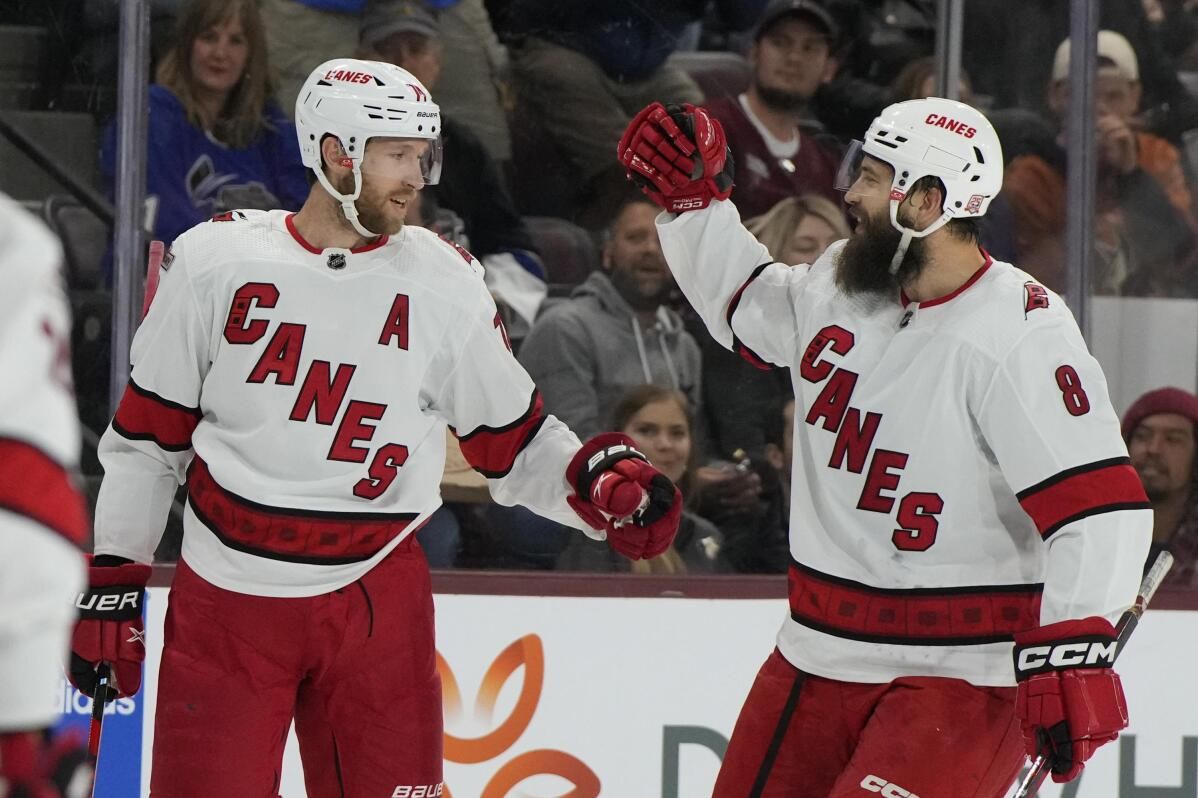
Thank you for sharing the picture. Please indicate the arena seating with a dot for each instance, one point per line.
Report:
(568, 251)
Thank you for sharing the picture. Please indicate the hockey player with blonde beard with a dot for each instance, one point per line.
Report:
(964, 516)
(298, 371)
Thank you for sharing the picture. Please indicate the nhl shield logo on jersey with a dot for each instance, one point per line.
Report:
(336, 261)
(1035, 297)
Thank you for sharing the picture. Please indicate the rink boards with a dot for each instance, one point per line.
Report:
(635, 697)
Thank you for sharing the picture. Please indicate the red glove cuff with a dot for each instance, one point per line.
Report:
(134, 574)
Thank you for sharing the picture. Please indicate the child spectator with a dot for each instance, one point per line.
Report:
(657, 419)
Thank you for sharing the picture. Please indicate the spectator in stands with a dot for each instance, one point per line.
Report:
(799, 229)
(584, 68)
(473, 86)
(216, 141)
(302, 34)
(657, 419)
(1160, 429)
(1008, 49)
(1174, 26)
(1143, 217)
(917, 80)
(407, 33)
(776, 155)
(615, 331)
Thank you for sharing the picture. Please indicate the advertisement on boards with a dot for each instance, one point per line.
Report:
(548, 697)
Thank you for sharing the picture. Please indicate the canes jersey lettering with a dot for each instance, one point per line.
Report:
(303, 395)
(39, 431)
(959, 473)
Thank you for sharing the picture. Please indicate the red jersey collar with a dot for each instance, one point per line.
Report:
(931, 303)
(299, 239)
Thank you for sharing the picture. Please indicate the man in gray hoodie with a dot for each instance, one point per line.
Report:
(614, 332)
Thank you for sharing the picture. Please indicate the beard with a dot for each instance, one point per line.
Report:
(372, 207)
(863, 266)
(639, 296)
(781, 99)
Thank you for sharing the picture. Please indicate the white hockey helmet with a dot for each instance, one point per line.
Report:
(941, 138)
(355, 100)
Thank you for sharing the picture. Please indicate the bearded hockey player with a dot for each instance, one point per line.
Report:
(298, 372)
(964, 521)
(43, 519)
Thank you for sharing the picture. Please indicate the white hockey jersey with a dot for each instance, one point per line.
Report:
(304, 394)
(959, 474)
(39, 430)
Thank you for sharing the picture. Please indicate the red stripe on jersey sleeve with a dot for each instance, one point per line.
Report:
(738, 346)
(145, 416)
(492, 451)
(1101, 487)
(32, 484)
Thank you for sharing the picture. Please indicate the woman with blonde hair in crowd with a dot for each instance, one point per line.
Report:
(658, 420)
(216, 140)
(799, 229)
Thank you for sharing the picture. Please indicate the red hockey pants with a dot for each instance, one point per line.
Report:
(355, 668)
(915, 737)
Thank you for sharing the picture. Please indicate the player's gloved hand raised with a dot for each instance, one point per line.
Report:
(110, 628)
(34, 766)
(678, 155)
(1070, 700)
(618, 491)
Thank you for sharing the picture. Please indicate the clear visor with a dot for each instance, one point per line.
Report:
(404, 159)
(850, 165)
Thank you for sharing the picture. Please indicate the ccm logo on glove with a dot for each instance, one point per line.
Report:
(888, 790)
(1094, 652)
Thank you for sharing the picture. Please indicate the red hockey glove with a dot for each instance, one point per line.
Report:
(110, 628)
(617, 490)
(32, 766)
(1070, 700)
(678, 155)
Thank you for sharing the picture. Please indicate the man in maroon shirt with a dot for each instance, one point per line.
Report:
(777, 152)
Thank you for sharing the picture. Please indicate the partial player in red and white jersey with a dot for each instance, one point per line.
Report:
(960, 489)
(297, 372)
(42, 516)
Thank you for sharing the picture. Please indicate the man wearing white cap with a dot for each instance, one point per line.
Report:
(1117, 94)
(1143, 222)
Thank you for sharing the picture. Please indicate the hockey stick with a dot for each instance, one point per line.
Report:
(103, 675)
(1127, 624)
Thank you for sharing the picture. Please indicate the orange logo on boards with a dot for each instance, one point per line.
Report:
(526, 652)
